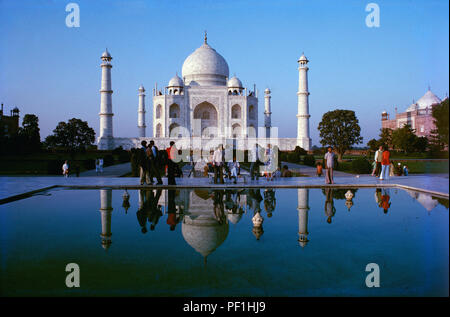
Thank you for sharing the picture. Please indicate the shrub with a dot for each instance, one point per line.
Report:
(309, 160)
(361, 166)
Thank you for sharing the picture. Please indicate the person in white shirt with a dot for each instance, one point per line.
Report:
(218, 165)
(65, 169)
(378, 158)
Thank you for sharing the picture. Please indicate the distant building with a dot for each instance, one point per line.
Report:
(418, 115)
(9, 124)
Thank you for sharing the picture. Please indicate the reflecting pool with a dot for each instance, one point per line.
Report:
(215, 242)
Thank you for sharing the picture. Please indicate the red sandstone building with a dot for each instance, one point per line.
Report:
(418, 116)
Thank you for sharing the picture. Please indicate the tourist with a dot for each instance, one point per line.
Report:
(143, 211)
(378, 158)
(142, 162)
(192, 163)
(399, 170)
(255, 162)
(330, 210)
(217, 161)
(319, 169)
(155, 210)
(329, 166)
(97, 166)
(269, 163)
(374, 167)
(405, 170)
(65, 169)
(171, 165)
(233, 167)
(100, 165)
(152, 156)
(218, 206)
(285, 172)
(385, 164)
(378, 196)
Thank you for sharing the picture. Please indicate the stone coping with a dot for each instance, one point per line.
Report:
(221, 186)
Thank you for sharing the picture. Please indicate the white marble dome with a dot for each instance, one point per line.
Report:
(176, 81)
(205, 67)
(204, 233)
(234, 82)
(106, 54)
(426, 101)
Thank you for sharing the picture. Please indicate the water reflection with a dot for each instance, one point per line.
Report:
(205, 214)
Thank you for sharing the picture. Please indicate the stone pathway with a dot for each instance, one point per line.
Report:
(310, 171)
(110, 171)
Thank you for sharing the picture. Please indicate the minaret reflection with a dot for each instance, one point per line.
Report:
(303, 207)
(106, 210)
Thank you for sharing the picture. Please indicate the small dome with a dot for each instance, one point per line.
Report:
(267, 91)
(106, 54)
(234, 218)
(176, 82)
(234, 82)
(303, 58)
(384, 112)
(141, 88)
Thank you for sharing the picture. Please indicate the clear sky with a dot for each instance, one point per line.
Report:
(54, 71)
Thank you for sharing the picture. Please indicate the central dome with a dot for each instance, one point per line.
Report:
(205, 67)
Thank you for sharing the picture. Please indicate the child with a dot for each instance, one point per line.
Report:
(319, 169)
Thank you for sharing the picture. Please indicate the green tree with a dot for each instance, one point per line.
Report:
(373, 144)
(420, 144)
(440, 115)
(404, 139)
(341, 130)
(386, 137)
(75, 135)
(29, 133)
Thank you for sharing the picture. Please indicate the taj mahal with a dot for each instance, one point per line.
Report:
(204, 107)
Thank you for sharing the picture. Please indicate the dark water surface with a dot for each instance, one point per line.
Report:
(309, 244)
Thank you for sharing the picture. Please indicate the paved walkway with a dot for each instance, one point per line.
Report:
(311, 171)
(110, 171)
(12, 188)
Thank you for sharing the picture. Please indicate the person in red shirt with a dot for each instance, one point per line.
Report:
(385, 162)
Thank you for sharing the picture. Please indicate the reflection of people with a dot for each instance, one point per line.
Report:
(155, 210)
(143, 211)
(219, 211)
(171, 210)
(330, 210)
(269, 201)
(329, 166)
(378, 196)
(385, 204)
(254, 200)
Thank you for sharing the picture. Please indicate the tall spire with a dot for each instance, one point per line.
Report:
(206, 37)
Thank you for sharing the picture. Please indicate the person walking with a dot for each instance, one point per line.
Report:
(171, 165)
(385, 162)
(218, 165)
(97, 166)
(100, 165)
(378, 158)
(255, 162)
(65, 169)
(142, 162)
(329, 166)
(152, 156)
(192, 163)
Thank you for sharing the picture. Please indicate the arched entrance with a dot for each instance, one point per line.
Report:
(207, 113)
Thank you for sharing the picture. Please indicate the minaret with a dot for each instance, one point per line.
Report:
(141, 112)
(106, 210)
(105, 140)
(267, 112)
(303, 139)
(302, 207)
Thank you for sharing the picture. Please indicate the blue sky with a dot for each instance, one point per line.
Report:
(53, 71)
